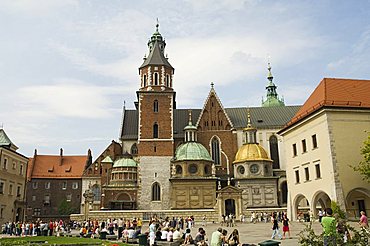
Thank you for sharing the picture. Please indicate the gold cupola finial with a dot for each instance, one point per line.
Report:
(249, 125)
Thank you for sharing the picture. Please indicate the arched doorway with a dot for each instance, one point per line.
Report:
(229, 206)
(358, 200)
(320, 201)
(301, 208)
(123, 202)
(18, 215)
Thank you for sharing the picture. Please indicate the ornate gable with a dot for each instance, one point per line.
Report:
(213, 115)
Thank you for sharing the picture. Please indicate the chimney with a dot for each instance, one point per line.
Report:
(35, 154)
(61, 157)
(89, 159)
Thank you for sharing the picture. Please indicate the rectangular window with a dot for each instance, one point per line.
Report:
(314, 141)
(294, 149)
(10, 189)
(37, 211)
(297, 176)
(33, 198)
(307, 173)
(5, 163)
(75, 185)
(318, 171)
(46, 200)
(14, 165)
(47, 185)
(1, 187)
(34, 185)
(64, 185)
(18, 191)
(304, 146)
(20, 169)
(69, 197)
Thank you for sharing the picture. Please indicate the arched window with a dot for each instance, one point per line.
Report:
(134, 149)
(156, 192)
(97, 192)
(178, 169)
(144, 80)
(274, 151)
(155, 106)
(216, 151)
(155, 130)
(167, 80)
(155, 78)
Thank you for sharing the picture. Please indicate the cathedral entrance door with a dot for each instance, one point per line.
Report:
(229, 206)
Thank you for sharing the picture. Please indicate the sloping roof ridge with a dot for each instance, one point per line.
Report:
(59, 155)
(213, 91)
(152, 56)
(122, 120)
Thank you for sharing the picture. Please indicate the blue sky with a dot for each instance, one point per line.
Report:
(67, 66)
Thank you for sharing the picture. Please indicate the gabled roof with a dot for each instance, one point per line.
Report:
(212, 92)
(56, 166)
(261, 118)
(332, 92)
(5, 141)
(156, 57)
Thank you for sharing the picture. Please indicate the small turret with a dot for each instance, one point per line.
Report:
(272, 97)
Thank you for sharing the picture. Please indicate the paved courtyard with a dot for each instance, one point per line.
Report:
(255, 233)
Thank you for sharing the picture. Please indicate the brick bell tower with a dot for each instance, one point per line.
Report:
(156, 103)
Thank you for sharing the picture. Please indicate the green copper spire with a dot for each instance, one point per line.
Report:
(272, 97)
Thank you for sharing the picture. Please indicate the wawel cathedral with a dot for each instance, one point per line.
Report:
(227, 159)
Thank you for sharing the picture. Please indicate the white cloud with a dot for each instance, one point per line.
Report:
(67, 98)
(35, 7)
(355, 63)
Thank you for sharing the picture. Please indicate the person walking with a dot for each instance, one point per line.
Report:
(286, 226)
(329, 227)
(275, 227)
(363, 220)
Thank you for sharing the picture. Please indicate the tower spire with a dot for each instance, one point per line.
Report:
(272, 97)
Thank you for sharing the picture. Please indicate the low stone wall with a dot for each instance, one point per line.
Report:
(145, 215)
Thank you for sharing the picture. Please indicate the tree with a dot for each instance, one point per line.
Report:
(364, 166)
(65, 208)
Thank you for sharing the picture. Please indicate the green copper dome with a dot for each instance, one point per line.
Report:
(192, 151)
(125, 162)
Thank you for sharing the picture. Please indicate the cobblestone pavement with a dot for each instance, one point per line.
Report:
(256, 233)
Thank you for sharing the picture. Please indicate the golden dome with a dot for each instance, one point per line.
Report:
(251, 152)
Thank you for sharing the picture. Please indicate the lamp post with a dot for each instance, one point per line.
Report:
(89, 198)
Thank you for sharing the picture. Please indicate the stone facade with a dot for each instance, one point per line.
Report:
(154, 170)
(13, 169)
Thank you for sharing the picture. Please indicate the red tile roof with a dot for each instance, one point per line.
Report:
(331, 92)
(56, 166)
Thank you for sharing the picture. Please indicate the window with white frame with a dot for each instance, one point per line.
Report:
(47, 185)
(64, 185)
(75, 185)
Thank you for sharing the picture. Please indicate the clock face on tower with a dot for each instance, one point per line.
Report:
(254, 168)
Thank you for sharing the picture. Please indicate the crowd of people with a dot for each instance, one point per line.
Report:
(38, 228)
(179, 228)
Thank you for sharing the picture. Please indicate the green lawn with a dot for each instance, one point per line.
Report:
(55, 241)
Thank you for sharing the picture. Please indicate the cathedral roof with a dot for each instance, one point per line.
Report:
(156, 46)
(251, 152)
(262, 118)
(338, 93)
(125, 162)
(192, 151)
(5, 141)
